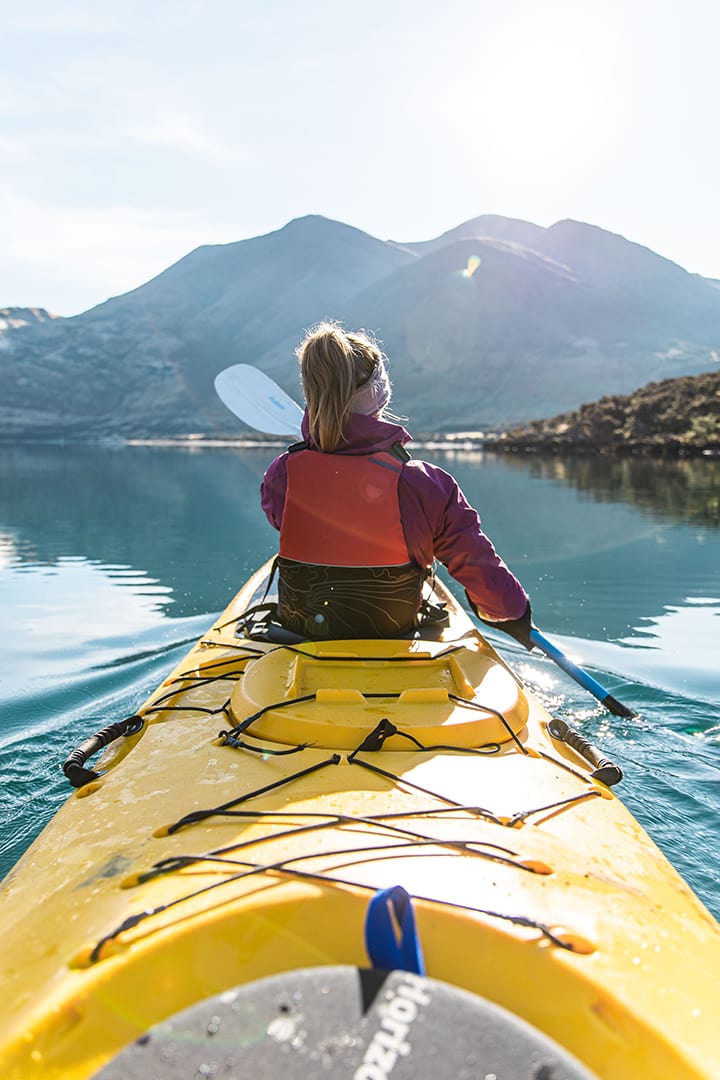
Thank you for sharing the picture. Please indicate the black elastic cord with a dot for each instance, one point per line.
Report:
(411, 658)
(225, 809)
(523, 814)
(240, 728)
(385, 729)
(321, 879)
(488, 708)
(479, 810)
(239, 744)
(331, 821)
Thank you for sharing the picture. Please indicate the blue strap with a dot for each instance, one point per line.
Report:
(390, 910)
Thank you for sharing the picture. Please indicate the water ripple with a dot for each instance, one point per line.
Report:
(42, 726)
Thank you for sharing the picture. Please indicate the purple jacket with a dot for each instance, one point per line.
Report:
(437, 519)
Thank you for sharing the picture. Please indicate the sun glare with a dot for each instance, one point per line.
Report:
(542, 100)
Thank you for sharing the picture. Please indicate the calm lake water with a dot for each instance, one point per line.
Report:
(113, 560)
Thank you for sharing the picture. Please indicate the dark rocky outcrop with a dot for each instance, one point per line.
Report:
(673, 417)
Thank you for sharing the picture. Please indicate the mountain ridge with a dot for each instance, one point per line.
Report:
(482, 329)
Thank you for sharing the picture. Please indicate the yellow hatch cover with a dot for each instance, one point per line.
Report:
(326, 695)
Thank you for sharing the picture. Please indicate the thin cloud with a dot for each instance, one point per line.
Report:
(178, 132)
(64, 22)
(72, 248)
(13, 149)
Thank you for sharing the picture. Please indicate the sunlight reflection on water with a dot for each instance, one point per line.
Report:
(676, 651)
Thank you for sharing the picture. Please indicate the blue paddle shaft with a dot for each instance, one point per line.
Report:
(579, 675)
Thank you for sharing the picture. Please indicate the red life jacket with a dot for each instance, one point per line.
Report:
(343, 510)
(344, 569)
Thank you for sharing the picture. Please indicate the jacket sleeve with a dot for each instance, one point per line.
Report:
(273, 490)
(440, 523)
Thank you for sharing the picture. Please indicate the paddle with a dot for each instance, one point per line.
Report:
(581, 676)
(260, 403)
(254, 398)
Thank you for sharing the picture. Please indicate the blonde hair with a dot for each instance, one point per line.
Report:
(333, 364)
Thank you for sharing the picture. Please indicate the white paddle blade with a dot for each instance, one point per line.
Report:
(258, 401)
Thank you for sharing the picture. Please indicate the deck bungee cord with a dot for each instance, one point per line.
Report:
(386, 729)
(188, 682)
(380, 851)
(572, 942)
(411, 841)
(228, 809)
(380, 822)
(496, 819)
(373, 741)
(381, 733)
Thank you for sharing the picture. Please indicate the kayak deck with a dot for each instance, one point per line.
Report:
(273, 789)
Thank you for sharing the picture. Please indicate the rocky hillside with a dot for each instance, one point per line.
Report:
(494, 323)
(12, 318)
(676, 416)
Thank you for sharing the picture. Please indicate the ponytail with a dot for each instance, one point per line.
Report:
(333, 364)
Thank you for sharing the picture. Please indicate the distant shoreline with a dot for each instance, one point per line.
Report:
(498, 444)
(495, 442)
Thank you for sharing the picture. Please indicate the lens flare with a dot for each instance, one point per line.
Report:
(472, 265)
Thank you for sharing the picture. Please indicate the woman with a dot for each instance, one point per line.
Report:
(361, 522)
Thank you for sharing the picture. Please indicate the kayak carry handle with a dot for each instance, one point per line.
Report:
(74, 766)
(606, 771)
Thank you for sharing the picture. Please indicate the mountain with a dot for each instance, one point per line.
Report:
(511, 230)
(143, 363)
(536, 330)
(495, 322)
(675, 416)
(12, 318)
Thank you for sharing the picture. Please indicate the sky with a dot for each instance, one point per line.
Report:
(132, 133)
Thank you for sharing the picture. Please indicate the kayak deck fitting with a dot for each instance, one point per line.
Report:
(264, 797)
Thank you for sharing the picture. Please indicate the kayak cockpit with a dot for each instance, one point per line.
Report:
(335, 694)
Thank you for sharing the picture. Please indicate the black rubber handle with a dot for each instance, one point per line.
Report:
(74, 767)
(605, 770)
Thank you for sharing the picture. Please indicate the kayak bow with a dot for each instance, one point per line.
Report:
(282, 820)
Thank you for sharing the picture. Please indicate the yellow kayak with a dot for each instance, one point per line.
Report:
(284, 822)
